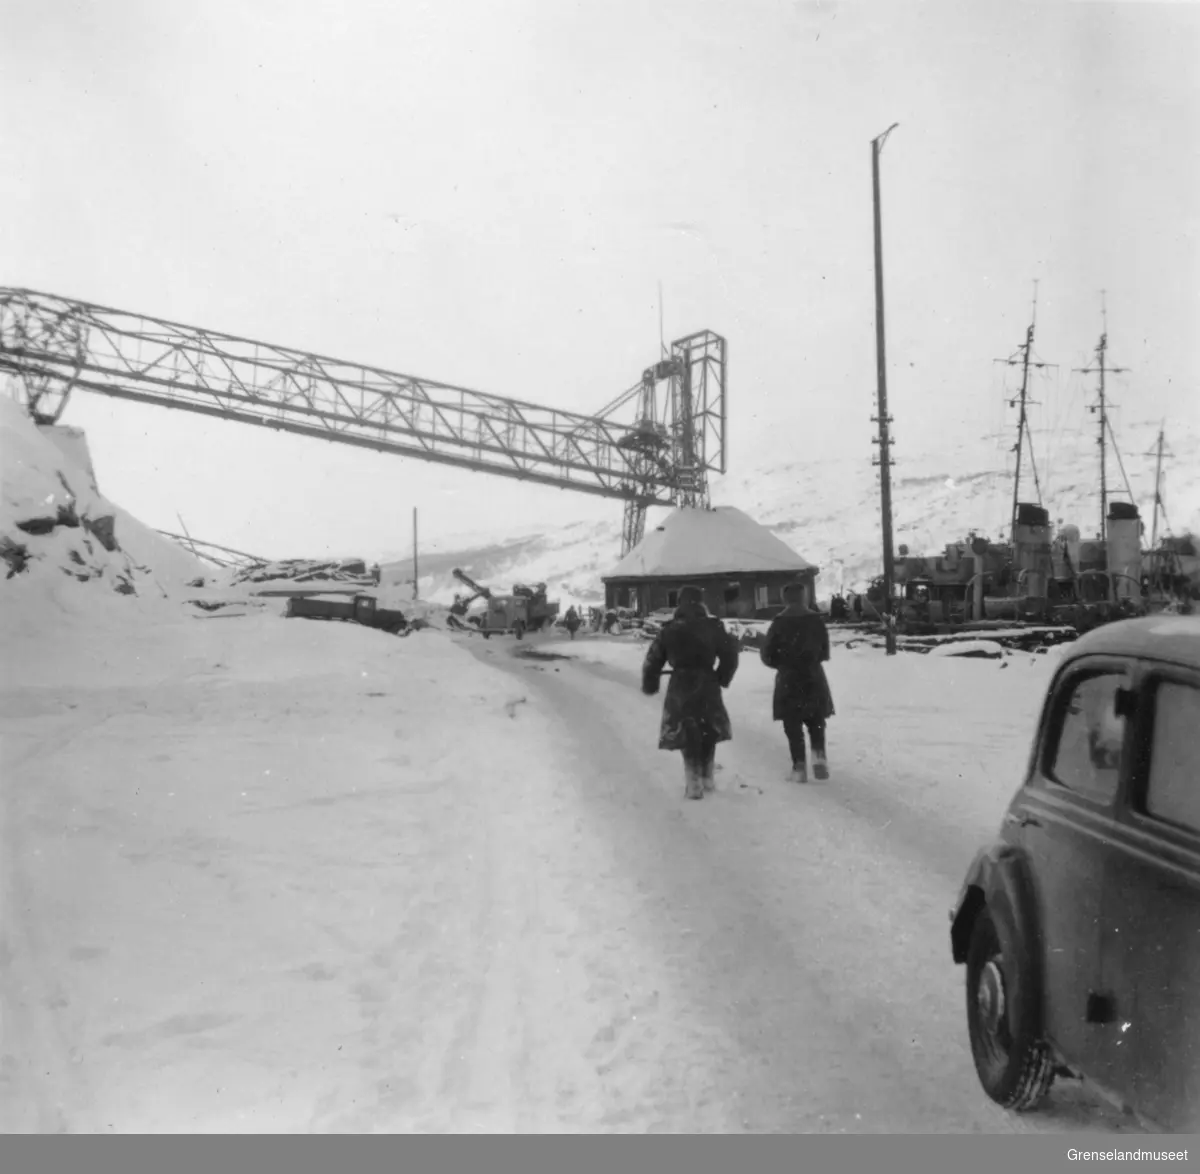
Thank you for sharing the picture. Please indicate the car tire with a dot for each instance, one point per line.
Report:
(1014, 1064)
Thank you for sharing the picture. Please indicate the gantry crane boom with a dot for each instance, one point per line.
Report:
(54, 345)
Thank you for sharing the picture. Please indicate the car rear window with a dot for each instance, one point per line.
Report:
(1087, 751)
(1173, 786)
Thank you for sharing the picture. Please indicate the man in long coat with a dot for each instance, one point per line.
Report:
(796, 647)
(703, 658)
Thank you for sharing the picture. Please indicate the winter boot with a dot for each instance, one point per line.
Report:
(799, 772)
(820, 769)
(693, 782)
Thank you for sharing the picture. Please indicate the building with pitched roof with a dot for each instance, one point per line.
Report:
(741, 566)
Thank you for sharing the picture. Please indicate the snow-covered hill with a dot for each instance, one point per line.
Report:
(56, 527)
(828, 510)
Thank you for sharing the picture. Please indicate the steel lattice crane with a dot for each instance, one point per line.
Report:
(663, 455)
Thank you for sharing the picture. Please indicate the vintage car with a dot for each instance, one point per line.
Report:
(1079, 927)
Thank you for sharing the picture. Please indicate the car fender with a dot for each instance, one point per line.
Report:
(1000, 876)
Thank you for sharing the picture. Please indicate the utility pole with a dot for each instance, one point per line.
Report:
(884, 460)
(1102, 407)
(1023, 421)
(416, 575)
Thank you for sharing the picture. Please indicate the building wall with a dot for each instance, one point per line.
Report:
(757, 595)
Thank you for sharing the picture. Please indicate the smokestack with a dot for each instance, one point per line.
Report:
(1032, 550)
(1124, 550)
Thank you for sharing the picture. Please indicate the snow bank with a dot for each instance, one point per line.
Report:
(167, 560)
(279, 876)
(53, 627)
(985, 649)
(54, 522)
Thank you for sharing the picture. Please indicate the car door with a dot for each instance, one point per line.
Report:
(1151, 955)
(1064, 820)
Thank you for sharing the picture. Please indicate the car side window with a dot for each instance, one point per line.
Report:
(1173, 785)
(1086, 754)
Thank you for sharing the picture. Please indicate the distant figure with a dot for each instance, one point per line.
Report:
(572, 621)
(703, 658)
(796, 647)
(858, 607)
(837, 608)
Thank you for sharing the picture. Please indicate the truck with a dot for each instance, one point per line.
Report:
(360, 609)
(525, 609)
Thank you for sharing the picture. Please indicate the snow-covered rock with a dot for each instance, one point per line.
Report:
(55, 522)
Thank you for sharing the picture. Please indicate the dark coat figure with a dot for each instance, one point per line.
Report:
(703, 658)
(858, 607)
(796, 647)
(572, 621)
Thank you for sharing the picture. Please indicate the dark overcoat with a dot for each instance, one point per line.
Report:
(703, 657)
(796, 647)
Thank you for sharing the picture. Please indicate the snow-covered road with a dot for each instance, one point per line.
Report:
(810, 923)
(266, 875)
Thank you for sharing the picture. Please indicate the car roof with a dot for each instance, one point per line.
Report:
(1170, 638)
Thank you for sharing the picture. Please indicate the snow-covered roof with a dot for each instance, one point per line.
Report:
(708, 542)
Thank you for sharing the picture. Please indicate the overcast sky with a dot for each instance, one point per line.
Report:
(488, 193)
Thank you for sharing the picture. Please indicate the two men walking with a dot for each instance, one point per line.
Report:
(704, 658)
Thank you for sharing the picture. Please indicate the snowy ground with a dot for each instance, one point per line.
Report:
(271, 875)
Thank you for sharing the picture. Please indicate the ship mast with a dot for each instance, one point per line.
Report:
(1159, 507)
(1157, 492)
(1023, 431)
(1101, 407)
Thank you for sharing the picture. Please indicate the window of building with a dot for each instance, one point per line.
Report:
(1086, 754)
(673, 598)
(1173, 788)
(760, 595)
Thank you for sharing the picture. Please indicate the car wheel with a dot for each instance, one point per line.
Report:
(1014, 1064)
